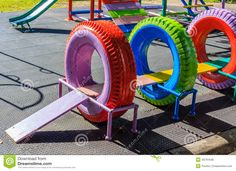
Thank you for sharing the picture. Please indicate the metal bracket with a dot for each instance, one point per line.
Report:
(110, 111)
(26, 30)
(175, 115)
(59, 107)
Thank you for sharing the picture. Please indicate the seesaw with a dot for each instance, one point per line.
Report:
(100, 103)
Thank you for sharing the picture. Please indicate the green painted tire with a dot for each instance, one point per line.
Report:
(184, 47)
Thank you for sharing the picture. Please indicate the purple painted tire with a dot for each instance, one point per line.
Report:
(207, 21)
(217, 86)
(78, 67)
(117, 60)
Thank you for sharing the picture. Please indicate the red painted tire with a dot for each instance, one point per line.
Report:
(116, 55)
(207, 21)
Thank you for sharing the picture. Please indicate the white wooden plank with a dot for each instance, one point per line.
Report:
(46, 115)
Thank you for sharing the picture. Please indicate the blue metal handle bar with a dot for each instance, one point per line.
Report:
(178, 95)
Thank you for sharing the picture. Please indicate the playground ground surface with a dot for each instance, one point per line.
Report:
(36, 59)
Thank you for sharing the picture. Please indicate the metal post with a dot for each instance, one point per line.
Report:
(176, 110)
(193, 107)
(223, 4)
(69, 10)
(164, 7)
(134, 125)
(99, 8)
(30, 29)
(203, 3)
(195, 3)
(109, 127)
(189, 10)
(60, 89)
(91, 10)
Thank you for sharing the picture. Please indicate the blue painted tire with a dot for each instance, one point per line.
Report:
(183, 53)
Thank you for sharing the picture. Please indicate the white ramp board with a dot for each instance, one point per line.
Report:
(46, 115)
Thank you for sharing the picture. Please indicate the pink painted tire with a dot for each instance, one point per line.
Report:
(117, 60)
(207, 21)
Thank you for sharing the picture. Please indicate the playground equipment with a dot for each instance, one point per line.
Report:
(115, 96)
(203, 4)
(225, 21)
(101, 103)
(100, 16)
(190, 6)
(97, 103)
(91, 11)
(218, 77)
(33, 14)
(192, 9)
(150, 7)
(175, 82)
(184, 17)
(131, 9)
(125, 13)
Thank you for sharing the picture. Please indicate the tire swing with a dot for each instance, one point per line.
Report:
(215, 19)
(118, 63)
(184, 56)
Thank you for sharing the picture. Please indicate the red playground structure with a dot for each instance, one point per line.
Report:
(75, 13)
